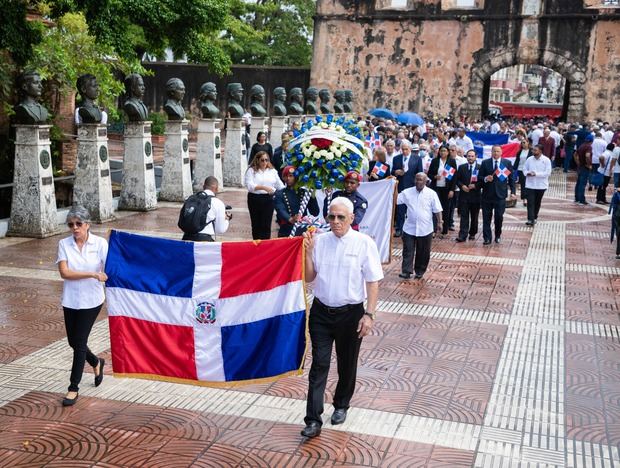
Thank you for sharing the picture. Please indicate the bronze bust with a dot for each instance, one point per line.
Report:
(340, 101)
(257, 101)
(325, 97)
(28, 111)
(348, 101)
(312, 95)
(235, 96)
(88, 88)
(134, 107)
(295, 107)
(279, 100)
(175, 90)
(208, 96)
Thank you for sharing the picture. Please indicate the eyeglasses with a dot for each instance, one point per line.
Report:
(264, 160)
(333, 217)
(77, 223)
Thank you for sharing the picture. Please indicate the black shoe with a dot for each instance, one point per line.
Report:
(312, 429)
(472, 237)
(419, 276)
(486, 242)
(99, 378)
(398, 233)
(529, 223)
(70, 401)
(339, 416)
(458, 239)
(498, 240)
(404, 275)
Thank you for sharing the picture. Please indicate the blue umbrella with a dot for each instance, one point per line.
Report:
(410, 118)
(383, 113)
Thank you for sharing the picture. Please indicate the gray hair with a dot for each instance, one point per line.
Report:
(78, 212)
(342, 201)
(405, 143)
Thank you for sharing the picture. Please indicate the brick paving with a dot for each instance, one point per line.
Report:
(502, 356)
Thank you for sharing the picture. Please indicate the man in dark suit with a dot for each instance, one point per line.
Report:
(469, 199)
(494, 177)
(405, 166)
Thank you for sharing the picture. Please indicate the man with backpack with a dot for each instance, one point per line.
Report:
(203, 215)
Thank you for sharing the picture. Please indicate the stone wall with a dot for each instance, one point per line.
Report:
(433, 57)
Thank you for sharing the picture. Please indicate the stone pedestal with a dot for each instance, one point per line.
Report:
(138, 187)
(93, 183)
(259, 124)
(279, 125)
(235, 157)
(176, 183)
(33, 207)
(208, 153)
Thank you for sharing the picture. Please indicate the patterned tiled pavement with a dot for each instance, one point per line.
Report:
(502, 356)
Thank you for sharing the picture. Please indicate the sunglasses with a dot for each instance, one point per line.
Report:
(333, 217)
(77, 223)
(264, 160)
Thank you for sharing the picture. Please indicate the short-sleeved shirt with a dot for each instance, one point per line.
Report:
(343, 266)
(83, 293)
(420, 208)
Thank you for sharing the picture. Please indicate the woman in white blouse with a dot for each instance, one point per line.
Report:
(81, 260)
(262, 181)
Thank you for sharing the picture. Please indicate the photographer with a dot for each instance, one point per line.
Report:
(192, 220)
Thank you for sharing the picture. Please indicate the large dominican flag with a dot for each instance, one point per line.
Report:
(483, 142)
(205, 311)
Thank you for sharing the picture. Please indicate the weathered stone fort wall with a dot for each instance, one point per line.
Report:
(432, 56)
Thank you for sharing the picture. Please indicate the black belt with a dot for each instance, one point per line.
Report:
(337, 310)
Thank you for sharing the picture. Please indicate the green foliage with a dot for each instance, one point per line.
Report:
(17, 35)
(68, 51)
(135, 27)
(270, 32)
(158, 123)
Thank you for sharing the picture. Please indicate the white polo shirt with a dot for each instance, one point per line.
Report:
(84, 293)
(343, 266)
(542, 168)
(420, 209)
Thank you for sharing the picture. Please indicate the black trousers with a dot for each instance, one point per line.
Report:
(261, 215)
(523, 190)
(327, 327)
(78, 323)
(199, 237)
(493, 208)
(601, 192)
(534, 199)
(418, 247)
(469, 212)
(442, 194)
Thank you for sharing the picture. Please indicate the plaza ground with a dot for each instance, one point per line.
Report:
(507, 355)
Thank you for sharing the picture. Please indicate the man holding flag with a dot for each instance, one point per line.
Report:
(494, 177)
(469, 199)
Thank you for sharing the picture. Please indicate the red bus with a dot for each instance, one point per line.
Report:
(527, 110)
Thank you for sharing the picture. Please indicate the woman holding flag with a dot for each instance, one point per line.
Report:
(442, 174)
(378, 168)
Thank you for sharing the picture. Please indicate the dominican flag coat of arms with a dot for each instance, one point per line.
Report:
(205, 312)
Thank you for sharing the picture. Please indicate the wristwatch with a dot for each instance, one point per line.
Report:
(372, 315)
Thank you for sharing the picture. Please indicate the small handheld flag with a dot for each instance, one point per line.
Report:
(373, 141)
(380, 169)
(448, 172)
(502, 173)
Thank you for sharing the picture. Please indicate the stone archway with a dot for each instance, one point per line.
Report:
(489, 63)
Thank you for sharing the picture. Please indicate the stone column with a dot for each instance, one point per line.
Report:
(138, 187)
(278, 126)
(93, 183)
(235, 157)
(176, 184)
(33, 206)
(258, 125)
(208, 153)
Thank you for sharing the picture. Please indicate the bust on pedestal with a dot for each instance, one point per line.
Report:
(176, 184)
(340, 101)
(33, 206)
(138, 191)
(348, 101)
(278, 119)
(209, 145)
(235, 159)
(92, 188)
(312, 95)
(257, 109)
(325, 97)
